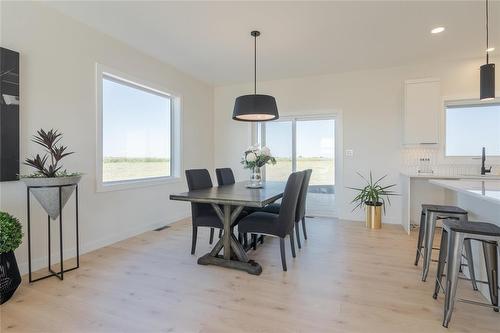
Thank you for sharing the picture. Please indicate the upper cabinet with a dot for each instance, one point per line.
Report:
(421, 109)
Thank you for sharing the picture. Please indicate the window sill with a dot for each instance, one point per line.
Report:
(136, 183)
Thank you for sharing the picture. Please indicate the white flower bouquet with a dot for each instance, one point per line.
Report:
(257, 157)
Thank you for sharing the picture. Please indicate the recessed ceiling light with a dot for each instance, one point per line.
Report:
(490, 49)
(437, 30)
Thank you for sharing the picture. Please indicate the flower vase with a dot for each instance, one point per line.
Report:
(256, 178)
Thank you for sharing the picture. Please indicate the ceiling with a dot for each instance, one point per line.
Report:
(212, 42)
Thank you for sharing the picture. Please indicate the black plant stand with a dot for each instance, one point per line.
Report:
(60, 274)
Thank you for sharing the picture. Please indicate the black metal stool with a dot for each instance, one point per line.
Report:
(452, 242)
(428, 220)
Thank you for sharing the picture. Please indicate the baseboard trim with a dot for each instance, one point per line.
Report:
(85, 247)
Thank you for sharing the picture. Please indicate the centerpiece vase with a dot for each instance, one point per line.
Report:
(256, 177)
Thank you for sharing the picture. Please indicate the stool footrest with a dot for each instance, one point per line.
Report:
(468, 301)
(467, 279)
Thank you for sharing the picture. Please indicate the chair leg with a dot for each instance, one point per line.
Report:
(193, 240)
(211, 236)
(245, 240)
(304, 227)
(297, 234)
(282, 249)
(430, 230)
(491, 260)
(421, 231)
(292, 244)
(455, 246)
(470, 262)
(254, 242)
(442, 263)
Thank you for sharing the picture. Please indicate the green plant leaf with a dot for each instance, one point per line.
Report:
(11, 234)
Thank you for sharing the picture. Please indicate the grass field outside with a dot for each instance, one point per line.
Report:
(323, 169)
(122, 168)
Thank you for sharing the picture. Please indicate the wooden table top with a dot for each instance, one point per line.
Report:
(237, 194)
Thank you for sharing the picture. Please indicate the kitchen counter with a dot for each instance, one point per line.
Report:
(488, 189)
(481, 199)
(420, 188)
(449, 176)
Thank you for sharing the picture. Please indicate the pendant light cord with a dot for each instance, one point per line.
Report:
(255, 66)
(487, 34)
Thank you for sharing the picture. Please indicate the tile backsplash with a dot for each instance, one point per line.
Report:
(424, 160)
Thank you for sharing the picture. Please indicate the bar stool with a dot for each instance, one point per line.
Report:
(428, 219)
(452, 241)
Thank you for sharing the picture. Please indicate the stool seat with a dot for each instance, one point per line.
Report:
(476, 228)
(445, 209)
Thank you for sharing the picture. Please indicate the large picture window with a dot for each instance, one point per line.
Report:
(471, 126)
(137, 132)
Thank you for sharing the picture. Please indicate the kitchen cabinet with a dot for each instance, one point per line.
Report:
(421, 109)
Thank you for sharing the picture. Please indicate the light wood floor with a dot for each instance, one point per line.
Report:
(345, 279)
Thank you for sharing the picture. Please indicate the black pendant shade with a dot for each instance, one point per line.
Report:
(487, 74)
(256, 107)
(487, 71)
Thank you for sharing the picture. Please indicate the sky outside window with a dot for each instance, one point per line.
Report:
(469, 128)
(136, 132)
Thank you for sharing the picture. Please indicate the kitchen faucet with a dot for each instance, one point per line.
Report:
(484, 171)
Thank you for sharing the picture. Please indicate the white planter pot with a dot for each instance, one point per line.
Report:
(49, 197)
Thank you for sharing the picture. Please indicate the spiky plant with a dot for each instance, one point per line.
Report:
(53, 150)
(373, 194)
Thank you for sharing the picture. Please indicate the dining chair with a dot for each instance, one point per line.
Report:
(278, 225)
(300, 215)
(203, 215)
(225, 176)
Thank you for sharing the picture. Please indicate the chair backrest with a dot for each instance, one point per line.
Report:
(198, 179)
(225, 176)
(288, 207)
(301, 204)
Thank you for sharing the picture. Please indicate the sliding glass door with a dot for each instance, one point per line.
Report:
(304, 143)
(278, 137)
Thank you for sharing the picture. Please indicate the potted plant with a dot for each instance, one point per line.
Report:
(373, 197)
(255, 158)
(49, 172)
(11, 236)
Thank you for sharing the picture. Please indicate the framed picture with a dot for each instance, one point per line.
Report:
(9, 115)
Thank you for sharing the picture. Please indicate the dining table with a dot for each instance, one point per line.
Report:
(228, 201)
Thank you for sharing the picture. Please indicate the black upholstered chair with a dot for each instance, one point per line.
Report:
(278, 225)
(300, 215)
(225, 176)
(203, 215)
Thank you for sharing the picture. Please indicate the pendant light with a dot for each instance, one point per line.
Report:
(255, 107)
(487, 71)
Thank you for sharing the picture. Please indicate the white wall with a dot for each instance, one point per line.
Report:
(370, 103)
(58, 57)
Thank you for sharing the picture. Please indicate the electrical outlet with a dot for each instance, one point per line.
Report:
(349, 153)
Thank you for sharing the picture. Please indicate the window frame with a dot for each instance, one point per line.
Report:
(105, 72)
(261, 126)
(495, 159)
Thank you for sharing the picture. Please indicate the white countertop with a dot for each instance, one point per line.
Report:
(448, 176)
(488, 189)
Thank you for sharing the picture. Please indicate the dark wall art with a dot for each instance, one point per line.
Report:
(9, 114)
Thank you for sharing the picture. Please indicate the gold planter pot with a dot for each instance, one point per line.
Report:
(374, 216)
